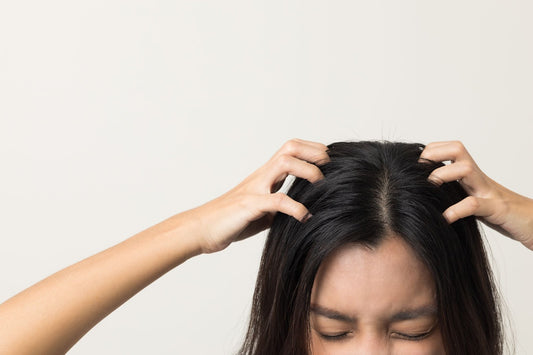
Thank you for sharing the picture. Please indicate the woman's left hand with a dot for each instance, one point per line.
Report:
(496, 206)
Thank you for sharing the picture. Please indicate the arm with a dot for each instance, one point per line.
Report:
(517, 216)
(52, 315)
(495, 205)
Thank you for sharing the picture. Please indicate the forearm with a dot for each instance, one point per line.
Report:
(517, 218)
(522, 218)
(52, 315)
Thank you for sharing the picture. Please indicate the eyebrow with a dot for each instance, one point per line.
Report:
(424, 311)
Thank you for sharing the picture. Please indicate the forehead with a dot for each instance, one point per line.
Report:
(373, 283)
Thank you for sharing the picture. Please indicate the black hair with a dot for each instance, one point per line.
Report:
(372, 189)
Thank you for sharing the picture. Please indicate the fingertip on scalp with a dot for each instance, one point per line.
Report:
(306, 217)
(449, 216)
(434, 179)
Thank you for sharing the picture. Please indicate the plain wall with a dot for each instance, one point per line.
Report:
(115, 115)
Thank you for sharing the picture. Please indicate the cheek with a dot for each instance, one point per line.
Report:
(429, 346)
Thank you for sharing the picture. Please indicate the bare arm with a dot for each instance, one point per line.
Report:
(52, 315)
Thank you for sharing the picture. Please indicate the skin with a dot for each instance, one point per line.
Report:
(495, 205)
(52, 315)
(373, 299)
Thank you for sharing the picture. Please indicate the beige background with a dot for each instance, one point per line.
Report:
(115, 115)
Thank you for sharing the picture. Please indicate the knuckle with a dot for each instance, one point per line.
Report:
(458, 147)
(284, 161)
(473, 202)
(468, 169)
(279, 199)
(457, 143)
(291, 146)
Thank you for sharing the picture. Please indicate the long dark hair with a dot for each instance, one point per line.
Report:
(373, 188)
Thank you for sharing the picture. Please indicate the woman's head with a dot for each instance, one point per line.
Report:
(377, 262)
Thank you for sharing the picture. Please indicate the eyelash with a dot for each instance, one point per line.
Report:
(339, 337)
(334, 337)
(416, 337)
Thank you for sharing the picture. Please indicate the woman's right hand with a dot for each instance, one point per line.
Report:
(52, 315)
(249, 208)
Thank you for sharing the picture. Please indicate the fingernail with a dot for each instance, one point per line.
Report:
(435, 180)
(447, 217)
(306, 217)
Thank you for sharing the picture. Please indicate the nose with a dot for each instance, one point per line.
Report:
(371, 344)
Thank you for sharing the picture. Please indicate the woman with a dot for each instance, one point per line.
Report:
(51, 316)
(377, 269)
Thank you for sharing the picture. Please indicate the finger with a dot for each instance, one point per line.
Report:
(451, 172)
(283, 203)
(311, 153)
(468, 206)
(286, 164)
(436, 144)
(433, 145)
(428, 147)
(311, 143)
(453, 151)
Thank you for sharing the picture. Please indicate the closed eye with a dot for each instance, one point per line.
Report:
(334, 337)
(412, 337)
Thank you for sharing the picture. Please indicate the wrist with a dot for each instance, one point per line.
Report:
(520, 218)
(527, 215)
(174, 239)
(189, 232)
